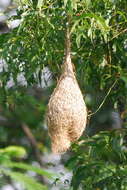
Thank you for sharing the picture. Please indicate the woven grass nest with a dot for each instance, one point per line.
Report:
(67, 112)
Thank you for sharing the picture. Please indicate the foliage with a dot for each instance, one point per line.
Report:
(8, 167)
(100, 162)
(96, 27)
(99, 49)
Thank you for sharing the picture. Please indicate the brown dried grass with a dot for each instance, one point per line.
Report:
(67, 112)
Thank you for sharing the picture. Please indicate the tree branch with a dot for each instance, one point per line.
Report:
(33, 142)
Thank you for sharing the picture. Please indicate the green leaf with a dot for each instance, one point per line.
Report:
(30, 168)
(99, 19)
(88, 3)
(78, 39)
(74, 26)
(74, 4)
(40, 4)
(65, 2)
(124, 77)
(28, 182)
(14, 151)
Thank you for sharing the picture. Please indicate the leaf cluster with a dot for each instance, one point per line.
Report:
(16, 171)
(100, 162)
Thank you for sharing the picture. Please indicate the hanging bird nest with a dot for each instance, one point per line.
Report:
(67, 112)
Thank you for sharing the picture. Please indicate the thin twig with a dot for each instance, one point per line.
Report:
(104, 99)
(118, 34)
(33, 143)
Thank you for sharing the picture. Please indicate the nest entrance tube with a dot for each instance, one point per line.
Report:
(67, 112)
